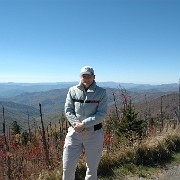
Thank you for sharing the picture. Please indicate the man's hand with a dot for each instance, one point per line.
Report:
(78, 126)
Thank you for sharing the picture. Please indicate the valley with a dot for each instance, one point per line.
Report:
(20, 107)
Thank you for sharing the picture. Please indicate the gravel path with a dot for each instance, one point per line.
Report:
(171, 173)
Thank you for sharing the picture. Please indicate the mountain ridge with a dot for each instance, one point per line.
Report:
(52, 102)
(12, 89)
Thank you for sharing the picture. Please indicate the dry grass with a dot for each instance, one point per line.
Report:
(138, 159)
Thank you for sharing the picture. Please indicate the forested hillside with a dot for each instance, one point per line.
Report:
(19, 107)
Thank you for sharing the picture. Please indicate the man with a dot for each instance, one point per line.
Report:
(85, 108)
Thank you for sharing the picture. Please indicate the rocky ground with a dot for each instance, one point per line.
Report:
(170, 173)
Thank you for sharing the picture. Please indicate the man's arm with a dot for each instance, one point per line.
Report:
(69, 108)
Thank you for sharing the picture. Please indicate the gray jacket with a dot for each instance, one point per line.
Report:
(89, 107)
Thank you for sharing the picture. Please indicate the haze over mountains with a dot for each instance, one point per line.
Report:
(21, 99)
(12, 89)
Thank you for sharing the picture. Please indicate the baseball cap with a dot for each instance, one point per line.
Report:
(87, 70)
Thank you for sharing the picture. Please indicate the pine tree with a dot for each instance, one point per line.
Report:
(15, 128)
(130, 125)
(25, 137)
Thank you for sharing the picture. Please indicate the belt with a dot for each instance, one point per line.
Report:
(97, 126)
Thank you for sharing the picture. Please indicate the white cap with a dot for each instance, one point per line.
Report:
(87, 70)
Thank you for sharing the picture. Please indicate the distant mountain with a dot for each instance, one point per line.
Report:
(21, 99)
(18, 107)
(169, 103)
(17, 112)
(13, 89)
(141, 87)
(52, 102)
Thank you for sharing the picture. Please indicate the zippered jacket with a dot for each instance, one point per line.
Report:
(89, 107)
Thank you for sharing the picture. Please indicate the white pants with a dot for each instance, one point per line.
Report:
(92, 142)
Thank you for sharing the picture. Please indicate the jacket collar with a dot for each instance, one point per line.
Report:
(91, 88)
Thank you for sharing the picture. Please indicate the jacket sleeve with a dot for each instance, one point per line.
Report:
(99, 114)
(70, 108)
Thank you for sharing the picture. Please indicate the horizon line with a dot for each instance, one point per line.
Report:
(96, 82)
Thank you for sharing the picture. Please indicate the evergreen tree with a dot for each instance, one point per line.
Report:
(25, 137)
(130, 125)
(15, 128)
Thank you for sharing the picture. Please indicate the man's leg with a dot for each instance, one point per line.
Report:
(93, 150)
(72, 151)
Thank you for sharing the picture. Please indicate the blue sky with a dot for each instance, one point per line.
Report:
(132, 41)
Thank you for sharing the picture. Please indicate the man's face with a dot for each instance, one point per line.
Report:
(87, 79)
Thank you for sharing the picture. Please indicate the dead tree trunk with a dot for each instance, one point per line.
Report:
(116, 108)
(29, 127)
(44, 140)
(9, 173)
